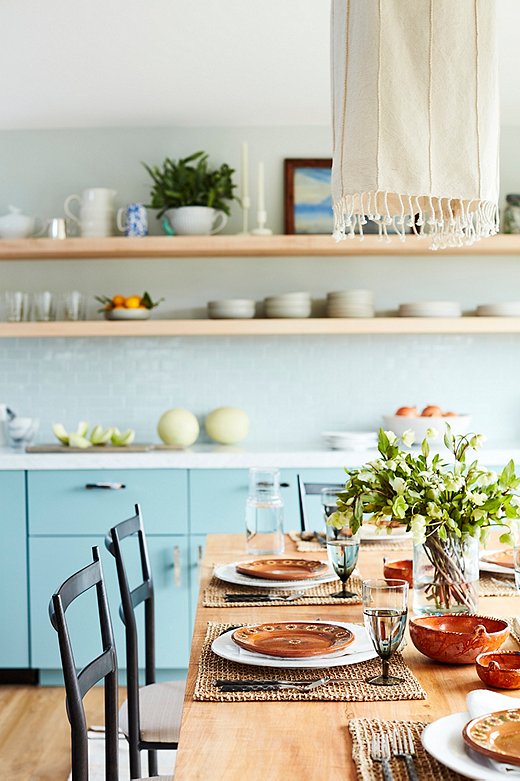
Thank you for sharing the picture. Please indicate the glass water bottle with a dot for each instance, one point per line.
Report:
(264, 513)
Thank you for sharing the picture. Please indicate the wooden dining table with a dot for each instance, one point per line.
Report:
(303, 741)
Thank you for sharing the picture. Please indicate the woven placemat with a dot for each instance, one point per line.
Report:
(495, 586)
(214, 594)
(428, 769)
(307, 546)
(514, 628)
(356, 689)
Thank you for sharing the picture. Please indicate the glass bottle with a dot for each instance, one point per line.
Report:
(511, 216)
(264, 513)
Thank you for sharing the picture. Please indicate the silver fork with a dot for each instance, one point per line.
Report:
(380, 752)
(403, 748)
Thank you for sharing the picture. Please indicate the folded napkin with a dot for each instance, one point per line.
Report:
(479, 702)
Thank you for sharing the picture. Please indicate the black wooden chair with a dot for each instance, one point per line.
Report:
(151, 716)
(103, 667)
(312, 489)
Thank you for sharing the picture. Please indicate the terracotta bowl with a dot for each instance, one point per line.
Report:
(399, 570)
(500, 669)
(457, 639)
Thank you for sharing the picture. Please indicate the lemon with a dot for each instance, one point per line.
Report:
(133, 302)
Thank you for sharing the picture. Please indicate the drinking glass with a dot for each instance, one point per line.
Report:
(343, 552)
(385, 607)
(44, 306)
(74, 305)
(329, 502)
(516, 561)
(17, 306)
(264, 513)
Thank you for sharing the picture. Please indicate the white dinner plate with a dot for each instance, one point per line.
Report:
(229, 574)
(224, 647)
(487, 566)
(443, 740)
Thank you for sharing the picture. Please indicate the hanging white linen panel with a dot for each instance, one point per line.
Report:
(415, 118)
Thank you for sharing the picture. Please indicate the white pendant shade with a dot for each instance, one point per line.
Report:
(416, 123)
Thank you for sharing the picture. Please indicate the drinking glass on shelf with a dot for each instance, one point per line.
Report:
(343, 552)
(385, 607)
(44, 308)
(74, 305)
(17, 306)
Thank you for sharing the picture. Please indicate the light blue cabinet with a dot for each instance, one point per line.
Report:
(60, 502)
(14, 648)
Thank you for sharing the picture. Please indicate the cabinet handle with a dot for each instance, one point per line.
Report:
(285, 485)
(177, 566)
(200, 558)
(106, 486)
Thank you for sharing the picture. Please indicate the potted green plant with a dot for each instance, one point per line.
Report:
(192, 198)
(448, 507)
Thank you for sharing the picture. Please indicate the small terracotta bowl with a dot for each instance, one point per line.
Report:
(457, 638)
(500, 669)
(399, 570)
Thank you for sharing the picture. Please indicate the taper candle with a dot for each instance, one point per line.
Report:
(244, 171)
(261, 188)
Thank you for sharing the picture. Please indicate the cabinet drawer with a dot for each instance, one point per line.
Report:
(60, 502)
(218, 500)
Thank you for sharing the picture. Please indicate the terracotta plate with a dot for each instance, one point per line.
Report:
(282, 569)
(503, 558)
(293, 640)
(496, 735)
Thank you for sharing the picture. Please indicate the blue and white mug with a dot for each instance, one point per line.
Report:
(133, 220)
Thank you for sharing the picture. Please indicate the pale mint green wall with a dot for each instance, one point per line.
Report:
(292, 387)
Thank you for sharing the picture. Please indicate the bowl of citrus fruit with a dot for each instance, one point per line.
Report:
(127, 307)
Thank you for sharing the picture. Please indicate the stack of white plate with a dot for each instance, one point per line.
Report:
(350, 303)
(510, 309)
(350, 440)
(289, 305)
(231, 309)
(431, 309)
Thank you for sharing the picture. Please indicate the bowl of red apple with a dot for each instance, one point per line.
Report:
(431, 417)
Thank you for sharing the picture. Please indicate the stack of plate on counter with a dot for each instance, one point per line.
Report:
(288, 305)
(350, 440)
(510, 309)
(431, 309)
(231, 309)
(350, 303)
(319, 644)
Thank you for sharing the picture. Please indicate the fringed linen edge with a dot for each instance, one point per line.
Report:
(447, 222)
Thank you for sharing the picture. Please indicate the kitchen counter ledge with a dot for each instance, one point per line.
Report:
(214, 457)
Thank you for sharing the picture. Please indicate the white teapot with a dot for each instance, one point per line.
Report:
(16, 225)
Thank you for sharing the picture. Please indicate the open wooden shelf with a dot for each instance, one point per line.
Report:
(151, 247)
(267, 327)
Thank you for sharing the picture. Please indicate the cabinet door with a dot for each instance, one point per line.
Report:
(218, 499)
(197, 546)
(60, 502)
(14, 648)
(53, 559)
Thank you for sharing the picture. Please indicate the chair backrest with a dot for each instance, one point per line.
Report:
(312, 489)
(130, 599)
(103, 667)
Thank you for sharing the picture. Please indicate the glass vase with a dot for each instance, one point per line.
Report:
(446, 575)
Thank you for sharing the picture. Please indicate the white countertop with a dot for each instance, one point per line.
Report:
(215, 457)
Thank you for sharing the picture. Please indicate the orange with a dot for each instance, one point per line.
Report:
(118, 301)
(118, 307)
(133, 302)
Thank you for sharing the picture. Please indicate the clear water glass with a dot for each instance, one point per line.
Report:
(385, 608)
(329, 502)
(264, 513)
(516, 560)
(44, 306)
(343, 552)
(74, 305)
(17, 307)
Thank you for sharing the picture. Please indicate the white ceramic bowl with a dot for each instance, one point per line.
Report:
(22, 431)
(460, 424)
(141, 313)
(288, 298)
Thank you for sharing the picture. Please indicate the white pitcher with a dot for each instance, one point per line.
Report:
(96, 216)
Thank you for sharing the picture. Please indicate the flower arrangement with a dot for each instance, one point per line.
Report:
(442, 504)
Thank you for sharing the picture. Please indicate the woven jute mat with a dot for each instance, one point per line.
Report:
(428, 769)
(355, 689)
(307, 546)
(495, 586)
(214, 594)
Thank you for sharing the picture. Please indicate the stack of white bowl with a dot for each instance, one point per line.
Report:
(231, 309)
(350, 440)
(350, 303)
(288, 305)
(430, 309)
(509, 309)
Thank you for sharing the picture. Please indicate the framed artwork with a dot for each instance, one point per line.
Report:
(308, 198)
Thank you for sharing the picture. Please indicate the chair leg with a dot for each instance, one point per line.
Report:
(135, 760)
(152, 763)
